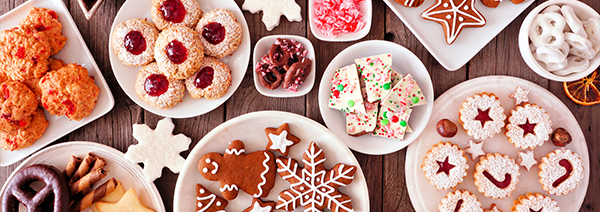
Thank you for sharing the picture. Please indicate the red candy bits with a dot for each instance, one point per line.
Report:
(338, 16)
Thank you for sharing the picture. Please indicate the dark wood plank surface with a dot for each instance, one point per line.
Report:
(384, 174)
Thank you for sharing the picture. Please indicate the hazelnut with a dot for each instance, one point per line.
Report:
(561, 137)
(446, 128)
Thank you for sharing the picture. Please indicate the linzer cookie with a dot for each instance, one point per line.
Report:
(496, 175)
(358, 124)
(528, 126)
(207, 201)
(454, 16)
(460, 201)
(405, 93)
(535, 202)
(445, 165)
(258, 167)
(281, 139)
(560, 172)
(392, 124)
(376, 72)
(482, 116)
(345, 92)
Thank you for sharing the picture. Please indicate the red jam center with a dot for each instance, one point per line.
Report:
(564, 163)
(458, 204)
(156, 84)
(173, 11)
(70, 107)
(540, 210)
(214, 33)
(483, 116)
(176, 52)
(499, 184)
(528, 128)
(134, 42)
(204, 77)
(445, 166)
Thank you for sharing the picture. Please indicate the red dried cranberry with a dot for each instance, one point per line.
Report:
(5, 91)
(176, 52)
(20, 53)
(156, 84)
(134, 42)
(204, 77)
(214, 33)
(173, 11)
(40, 28)
(53, 14)
(6, 116)
(70, 107)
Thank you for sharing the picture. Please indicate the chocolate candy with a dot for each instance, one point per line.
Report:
(54, 196)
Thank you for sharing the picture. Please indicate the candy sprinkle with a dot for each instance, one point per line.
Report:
(338, 16)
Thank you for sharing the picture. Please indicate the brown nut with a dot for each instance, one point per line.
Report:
(446, 128)
(561, 137)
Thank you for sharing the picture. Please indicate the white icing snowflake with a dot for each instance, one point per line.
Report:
(273, 9)
(526, 159)
(520, 95)
(157, 148)
(280, 141)
(257, 208)
(474, 149)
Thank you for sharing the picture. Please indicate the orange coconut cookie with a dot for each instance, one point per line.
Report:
(528, 126)
(460, 201)
(178, 52)
(69, 91)
(158, 90)
(220, 32)
(482, 116)
(496, 175)
(212, 80)
(169, 13)
(535, 202)
(560, 172)
(17, 104)
(25, 136)
(45, 21)
(445, 165)
(23, 55)
(133, 41)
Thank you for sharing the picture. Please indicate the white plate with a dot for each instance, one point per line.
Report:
(130, 175)
(469, 42)
(404, 62)
(426, 197)
(249, 128)
(188, 107)
(366, 7)
(263, 46)
(75, 51)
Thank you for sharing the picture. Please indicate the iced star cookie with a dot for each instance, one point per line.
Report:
(460, 201)
(281, 139)
(528, 126)
(376, 73)
(17, 104)
(560, 172)
(392, 124)
(24, 55)
(358, 124)
(209, 202)
(169, 13)
(260, 206)
(405, 93)
(25, 136)
(345, 92)
(133, 41)
(496, 175)
(211, 81)
(45, 21)
(445, 165)
(482, 116)
(178, 52)
(454, 16)
(219, 32)
(158, 90)
(535, 202)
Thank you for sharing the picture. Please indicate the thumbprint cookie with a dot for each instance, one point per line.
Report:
(157, 89)
(169, 13)
(211, 81)
(178, 52)
(133, 41)
(220, 32)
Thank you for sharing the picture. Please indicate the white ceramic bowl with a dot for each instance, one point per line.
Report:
(583, 11)
(262, 48)
(366, 7)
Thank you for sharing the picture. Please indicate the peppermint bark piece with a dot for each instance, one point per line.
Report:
(376, 74)
(392, 124)
(405, 94)
(345, 92)
(358, 124)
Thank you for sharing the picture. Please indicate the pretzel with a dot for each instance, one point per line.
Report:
(552, 57)
(547, 29)
(592, 29)
(572, 20)
(278, 55)
(296, 74)
(574, 65)
(552, 9)
(580, 46)
(18, 190)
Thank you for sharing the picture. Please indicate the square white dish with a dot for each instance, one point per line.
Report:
(469, 42)
(366, 7)
(75, 51)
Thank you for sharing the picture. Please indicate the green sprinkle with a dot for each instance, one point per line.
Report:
(351, 103)
(385, 122)
(385, 114)
(403, 123)
(387, 86)
(340, 87)
(415, 100)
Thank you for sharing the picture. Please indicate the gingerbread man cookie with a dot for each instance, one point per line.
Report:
(258, 168)
(280, 139)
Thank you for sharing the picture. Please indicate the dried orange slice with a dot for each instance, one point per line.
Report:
(584, 91)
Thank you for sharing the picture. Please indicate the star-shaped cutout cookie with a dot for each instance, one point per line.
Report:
(260, 206)
(493, 208)
(520, 96)
(129, 202)
(273, 9)
(474, 149)
(157, 148)
(526, 159)
(280, 139)
(454, 16)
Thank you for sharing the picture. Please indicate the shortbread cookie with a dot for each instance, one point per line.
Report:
(17, 104)
(482, 116)
(212, 80)
(535, 202)
(133, 41)
(281, 139)
(178, 52)
(528, 126)
(45, 21)
(376, 71)
(475, 149)
(460, 201)
(345, 91)
(493, 208)
(209, 202)
(273, 9)
(560, 172)
(169, 13)
(158, 90)
(260, 206)
(454, 16)
(219, 32)
(445, 165)
(24, 137)
(24, 55)
(392, 124)
(496, 175)
(520, 95)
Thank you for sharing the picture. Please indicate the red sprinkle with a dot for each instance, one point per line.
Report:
(338, 16)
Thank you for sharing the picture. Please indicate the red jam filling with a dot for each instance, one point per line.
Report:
(214, 33)
(499, 184)
(528, 128)
(204, 77)
(173, 11)
(540, 210)
(458, 204)
(70, 107)
(134, 42)
(445, 166)
(564, 163)
(20, 53)
(156, 84)
(483, 116)
(176, 52)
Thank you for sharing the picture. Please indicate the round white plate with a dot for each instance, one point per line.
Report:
(188, 107)
(426, 197)
(404, 62)
(130, 175)
(249, 128)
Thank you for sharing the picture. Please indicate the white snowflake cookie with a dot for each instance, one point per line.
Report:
(273, 9)
(560, 172)
(482, 116)
(528, 126)
(535, 202)
(460, 201)
(496, 175)
(445, 165)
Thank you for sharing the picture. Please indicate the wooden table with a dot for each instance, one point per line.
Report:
(384, 174)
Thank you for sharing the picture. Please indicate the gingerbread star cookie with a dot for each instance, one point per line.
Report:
(260, 206)
(454, 16)
(129, 202)
(273, 9)
(209, 202)
(280, 139)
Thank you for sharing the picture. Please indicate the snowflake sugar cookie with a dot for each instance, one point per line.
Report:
(157, 148)
(273, 9)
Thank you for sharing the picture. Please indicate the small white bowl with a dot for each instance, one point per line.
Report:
(262, 48)
(583, 11)
(366, 7)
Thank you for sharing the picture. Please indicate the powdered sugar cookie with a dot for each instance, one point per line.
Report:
(169, 13)
(133, 41)
(212, 80)
(460, 201)
(560, 172)
(45, 21)
(157, 89)
(445, 165)
(219, 32)
(178, 52)
(528, 126)
(273, 9)
(496, 175)
(535, 202)
(482, 116)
